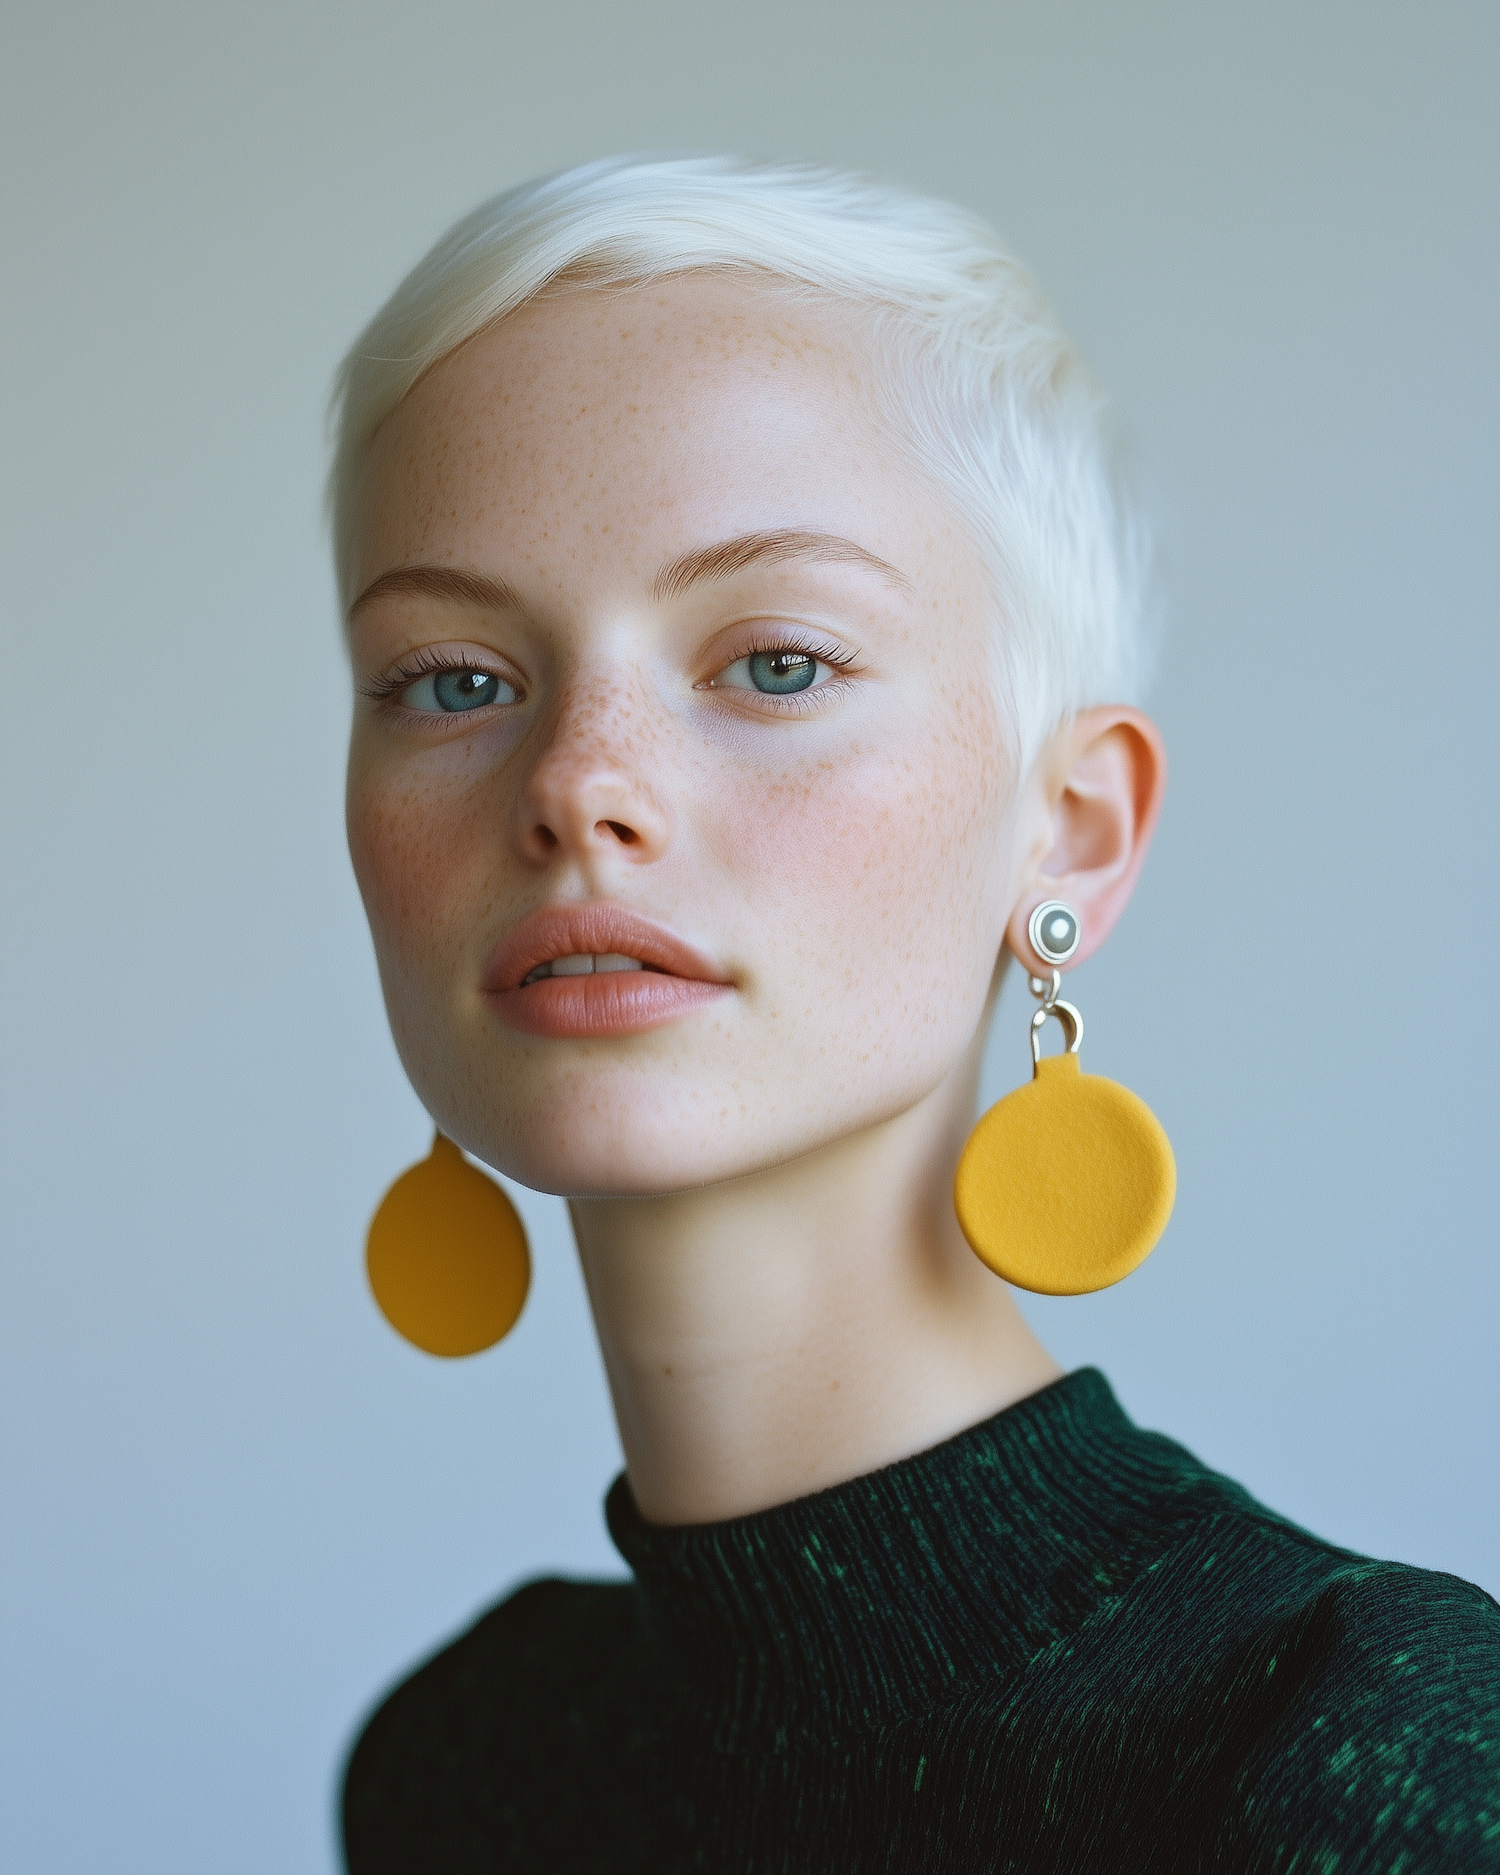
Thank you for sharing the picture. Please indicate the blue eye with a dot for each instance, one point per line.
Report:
(465, 690)
(452, 691)
(779, 673)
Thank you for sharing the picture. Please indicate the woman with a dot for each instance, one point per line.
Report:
(746, 632)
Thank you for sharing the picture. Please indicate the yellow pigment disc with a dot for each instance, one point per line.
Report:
(447, 1256)
(1066, 1184)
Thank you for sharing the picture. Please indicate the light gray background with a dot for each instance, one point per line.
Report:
(233, 1504)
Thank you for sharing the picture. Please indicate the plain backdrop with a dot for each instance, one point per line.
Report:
(234, 1505)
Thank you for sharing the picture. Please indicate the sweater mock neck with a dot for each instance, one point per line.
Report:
(881, 1597)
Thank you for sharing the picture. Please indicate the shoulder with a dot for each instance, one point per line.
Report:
(451, 1757)
(1371, 1702)
(1251, 1699)
(549, 1641)
(1317, 1709)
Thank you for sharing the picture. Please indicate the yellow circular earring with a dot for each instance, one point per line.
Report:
(447, 1256)
(1067, 1183)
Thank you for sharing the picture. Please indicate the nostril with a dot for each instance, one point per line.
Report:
(546, 838)
(627, 836)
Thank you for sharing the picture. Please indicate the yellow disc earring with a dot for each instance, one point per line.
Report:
(1067, 1183)
(447, 1256)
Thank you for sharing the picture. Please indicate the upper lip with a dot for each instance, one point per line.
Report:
(582, 930)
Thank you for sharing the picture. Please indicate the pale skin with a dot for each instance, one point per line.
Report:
(761, 1188)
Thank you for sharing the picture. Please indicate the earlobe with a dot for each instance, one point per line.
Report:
(1106, 775)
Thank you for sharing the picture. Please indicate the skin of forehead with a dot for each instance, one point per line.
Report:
(511, 435)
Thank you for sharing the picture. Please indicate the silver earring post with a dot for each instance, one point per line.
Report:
(1054, 932)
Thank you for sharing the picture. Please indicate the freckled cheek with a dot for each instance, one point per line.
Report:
(878, 862)
(422, 860)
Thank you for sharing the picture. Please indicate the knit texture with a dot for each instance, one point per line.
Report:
(1054, 1643)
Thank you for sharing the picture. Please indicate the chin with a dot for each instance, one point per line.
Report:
(601, 1139)
(676, 1116)
(611, 1137)
(622, 1173)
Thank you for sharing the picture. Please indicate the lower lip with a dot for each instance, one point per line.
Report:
(614, 1002)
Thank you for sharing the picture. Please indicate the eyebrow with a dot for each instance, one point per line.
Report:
(726, 557)
(778, 546)
(442, 582)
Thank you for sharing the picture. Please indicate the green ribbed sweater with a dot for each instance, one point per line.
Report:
(1053, 1643)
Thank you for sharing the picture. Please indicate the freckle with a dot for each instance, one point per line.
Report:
(666, 1370)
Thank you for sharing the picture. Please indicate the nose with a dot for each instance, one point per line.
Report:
(593, 794)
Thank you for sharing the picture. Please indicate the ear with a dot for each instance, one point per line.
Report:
(1099, 786)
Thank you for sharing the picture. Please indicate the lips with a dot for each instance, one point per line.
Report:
(620, 974)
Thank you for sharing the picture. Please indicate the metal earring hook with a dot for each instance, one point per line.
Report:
(1053, 1005)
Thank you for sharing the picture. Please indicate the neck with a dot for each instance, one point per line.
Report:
(798, 1327)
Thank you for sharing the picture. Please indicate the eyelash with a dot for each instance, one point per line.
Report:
(835, 656)
(423, 663)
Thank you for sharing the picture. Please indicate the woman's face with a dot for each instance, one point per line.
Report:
(666, 657)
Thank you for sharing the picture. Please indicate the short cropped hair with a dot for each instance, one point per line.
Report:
(968, 370)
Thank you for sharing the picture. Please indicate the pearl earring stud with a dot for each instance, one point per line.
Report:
(1053, 930)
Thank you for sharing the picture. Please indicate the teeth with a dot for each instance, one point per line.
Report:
(584, 965)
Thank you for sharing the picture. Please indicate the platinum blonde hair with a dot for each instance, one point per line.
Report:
(968, 370)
